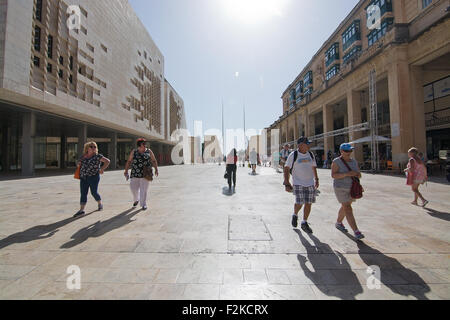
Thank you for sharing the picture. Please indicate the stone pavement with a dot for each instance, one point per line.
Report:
(196, 241)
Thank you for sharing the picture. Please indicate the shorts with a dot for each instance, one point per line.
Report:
(304, 195)
(419, 181)
(343, 195)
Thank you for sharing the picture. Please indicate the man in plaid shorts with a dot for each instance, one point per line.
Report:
(303, 167)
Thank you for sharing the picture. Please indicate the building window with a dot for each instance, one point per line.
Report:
(426, 3)
(71, 79)
(332, 54)
(36, 61)
(39, 10)
(61, 60)
(50, 47)
(60, 74)
(49, 67)
(308, 91)
(308, 80)
(292, 97)
(71, 63)
(352, 34)
(37, 39)
(333, 71)
(299, 88)
(377, 34)
(352, 54)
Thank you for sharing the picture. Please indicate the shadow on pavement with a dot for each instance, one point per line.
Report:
(226, 191)
(394, 275)
(38, 232)
(100, 228)
(321, 254)
(438, 214)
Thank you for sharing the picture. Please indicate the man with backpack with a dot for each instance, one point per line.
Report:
(303, 167)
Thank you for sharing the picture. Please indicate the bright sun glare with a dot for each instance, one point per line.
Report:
(254, 11)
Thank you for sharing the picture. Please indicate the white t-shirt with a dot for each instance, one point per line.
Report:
(302, 172)
(253, 157)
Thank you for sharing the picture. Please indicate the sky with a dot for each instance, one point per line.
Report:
(237, 51)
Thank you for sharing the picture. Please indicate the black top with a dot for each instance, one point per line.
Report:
(139, 161)
(90, 166)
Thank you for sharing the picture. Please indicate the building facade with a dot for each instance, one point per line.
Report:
(72, 71)
(408, 56)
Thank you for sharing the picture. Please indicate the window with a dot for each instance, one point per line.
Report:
(352, 54)
(49, 67)
(292, 96)
(71, 79)
(60, 74)
(426, 3)
(71, 63)
(37, 39)
(50, 47)
(332, 54)
(308, 91)
(307, 80)
(84, 30)
(104, 48)
(352, 34)
(333, 71)
(299, 88)
(36, 61)
(39, 10)
(61, 60)
(377, 34)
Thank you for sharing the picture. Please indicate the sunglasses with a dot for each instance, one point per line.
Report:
(350, 151)
(93, 147)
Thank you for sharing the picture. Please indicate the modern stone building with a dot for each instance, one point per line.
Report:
(64, 83)
(409, 55)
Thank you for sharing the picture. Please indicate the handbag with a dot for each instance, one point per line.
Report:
(225, 175)
(356, 191)
(148, 173)
(77, 173)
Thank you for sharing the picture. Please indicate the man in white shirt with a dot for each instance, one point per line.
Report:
(305, 179)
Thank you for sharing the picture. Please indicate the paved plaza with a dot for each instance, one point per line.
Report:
(197, 241)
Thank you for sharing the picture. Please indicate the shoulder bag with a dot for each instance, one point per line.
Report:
(356, 191)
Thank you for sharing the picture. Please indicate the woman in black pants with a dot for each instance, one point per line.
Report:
(232, 167)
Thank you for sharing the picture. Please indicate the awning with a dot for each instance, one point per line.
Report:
(369, 139)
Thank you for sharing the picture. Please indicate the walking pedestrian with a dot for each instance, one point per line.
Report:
(141, 161)
(343, 169)
(92, 165)
(303, 167)
(232, 168)
(416, 175)
(253, 160)
(284, 155)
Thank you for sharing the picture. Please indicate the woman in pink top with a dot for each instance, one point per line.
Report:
(232, 167)
(417, 175)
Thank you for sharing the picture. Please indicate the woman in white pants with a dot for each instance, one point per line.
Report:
(138, 159)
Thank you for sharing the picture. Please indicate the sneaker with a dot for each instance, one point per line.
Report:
(341, 227)
(294, 221)
(359, 235)
(100, 207)
(144, 208)
(306, 228)
(79, 213)
(135, 204)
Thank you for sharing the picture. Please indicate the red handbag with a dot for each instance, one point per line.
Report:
(356, 191)
(77, 173)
